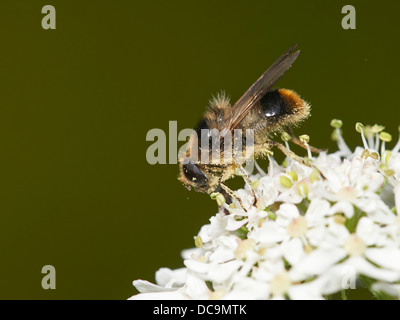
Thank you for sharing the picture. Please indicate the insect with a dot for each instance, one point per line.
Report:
(261, 109)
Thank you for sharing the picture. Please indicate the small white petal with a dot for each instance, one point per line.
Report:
(369, 232)
(397, 197)
(267, 269)
(340, 276)
(316, 211)
(246, 196)
(251, 259)
(254, 216)
(293, 251)
(216, 227)
(388, 258)
(316, 235)
(204, 233)
(233, 224)
(190, 253)
(288, 211)
(248, 289)
(306, 291)
(225, 249)
(169, 295)
(269, 233)
(289, 196)
(368, 205)
(173, 278)
(342, 207)
(268, 190)
(197, 266)
(144, 286)
(223, 271)
(391, 289)
(280, 297)
(355, 170)
(364, 267)
(335, 235)
(316, 262)
(195, 287)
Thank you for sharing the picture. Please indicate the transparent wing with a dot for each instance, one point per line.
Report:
(261, 87)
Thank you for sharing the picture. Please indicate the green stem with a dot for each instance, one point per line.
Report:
(351, 224)
(379, 295)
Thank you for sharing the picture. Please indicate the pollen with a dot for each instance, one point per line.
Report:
(293, 175)
(359, 127)
(261, 252)
(243, 247)
(302, 189)
(389, 172)
(305, 138)
(365, 154)
(298, 227)
(355, 246)
(198, 241)
(285, 136)
(374, 155)
(255, 184)
(218, 197)
(376, 128)
(339, 219)
(308, 248)
(347, 194)
(314, 176)
(286, 182)
(280, 284)
(217, 294)
(385, 136)
(336, 123)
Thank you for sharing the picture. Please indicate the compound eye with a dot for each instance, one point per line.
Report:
(193, 173)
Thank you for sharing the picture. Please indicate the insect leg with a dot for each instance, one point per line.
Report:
(233, 195)
(297, 141)
(228, 199)
(293, 156)
(246, 179)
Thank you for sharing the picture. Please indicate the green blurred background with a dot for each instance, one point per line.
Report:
(76, 103)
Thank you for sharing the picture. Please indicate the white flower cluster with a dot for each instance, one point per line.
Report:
(317, 229)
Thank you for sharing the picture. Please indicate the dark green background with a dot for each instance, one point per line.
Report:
(76, 103)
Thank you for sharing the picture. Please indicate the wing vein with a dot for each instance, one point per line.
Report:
(263, 84)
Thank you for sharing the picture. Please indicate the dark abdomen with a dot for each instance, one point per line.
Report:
(273, 112)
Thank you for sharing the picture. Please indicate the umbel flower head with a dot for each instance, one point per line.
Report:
(316, 231)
